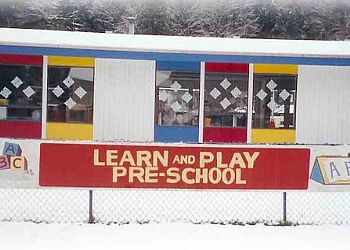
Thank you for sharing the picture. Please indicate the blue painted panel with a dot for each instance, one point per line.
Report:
(178, 66)
(158, 56)
(316, 174)
(176, 134)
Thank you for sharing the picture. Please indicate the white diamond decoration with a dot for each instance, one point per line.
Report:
(5, 92)
(176, 106)
(272, 105)
(70, 103)
(225, 103)
(225, 83)
(80, 92)
(28, 91)
(163, 95)
(187, 97)
(271, 85)
(284, 94)
(236, 92)
(215, 93)
(261, 94)
(17, 82)
(58, 91)
(68, 81)
(176, 86)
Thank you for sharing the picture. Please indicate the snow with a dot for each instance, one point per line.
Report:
(174, 44)
(170, 236)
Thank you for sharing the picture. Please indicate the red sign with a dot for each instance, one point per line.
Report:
(137, 166)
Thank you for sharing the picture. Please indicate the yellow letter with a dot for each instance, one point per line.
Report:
(237, 159)
(251, 159)
(97, 161)
(219, 160)
(184, 175)
(191, 159)
(239, 177)
(205, 157)
(144, 156)
(201, 174)
(157, 157)
(151, 177)
(127, 157)
(112, 155)
(173, 172)
(217, 179)
(118, 171)
(227, 180)
(137, 172)
(176, 159)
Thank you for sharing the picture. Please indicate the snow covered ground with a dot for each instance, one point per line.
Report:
(170, 236)
(174, 210)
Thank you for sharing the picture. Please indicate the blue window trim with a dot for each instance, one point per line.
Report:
(160, 56)
(186, 134)
(178, 66)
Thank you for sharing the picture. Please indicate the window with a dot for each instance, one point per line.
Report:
(274, 101)
(177, 102)
(20, 92)
(70, 94)
(226, 99)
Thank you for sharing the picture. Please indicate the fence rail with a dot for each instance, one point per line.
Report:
(143, 206)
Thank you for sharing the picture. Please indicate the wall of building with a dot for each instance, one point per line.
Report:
(124, 104)
(323, 105)
(124, 100)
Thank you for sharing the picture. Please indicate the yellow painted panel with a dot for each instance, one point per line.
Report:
(71, 61)
(273, 136)
(69, 131)
(4, 102)
(276, 69)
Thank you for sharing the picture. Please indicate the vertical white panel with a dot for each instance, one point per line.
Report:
(323, 104)
(250, 102)
(44, 98)
(201, 102)
(124, 100)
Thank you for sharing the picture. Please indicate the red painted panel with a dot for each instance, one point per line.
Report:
(21, 59)
(227, 67)
(217, 134)
(20, 129)
(181, 167)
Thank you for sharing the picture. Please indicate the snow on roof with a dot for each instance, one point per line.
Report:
(174, 44)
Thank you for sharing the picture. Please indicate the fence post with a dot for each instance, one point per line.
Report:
(91, 216)
(284, 207)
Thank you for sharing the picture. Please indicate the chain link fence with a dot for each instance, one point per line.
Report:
(144, 206)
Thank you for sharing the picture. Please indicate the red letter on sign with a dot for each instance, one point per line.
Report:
(4, 162)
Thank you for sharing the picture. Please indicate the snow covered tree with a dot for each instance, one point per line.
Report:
(288, 19)
(239, 19)
(11, 13)
(109, 15)
(184, 18)
(340, 29)
(152, 17)
(38, 14)
(74, 15)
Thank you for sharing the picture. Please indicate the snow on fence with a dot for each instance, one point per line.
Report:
(152, 206)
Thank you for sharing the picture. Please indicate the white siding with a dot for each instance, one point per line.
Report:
(323, 104)
(124, 100)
